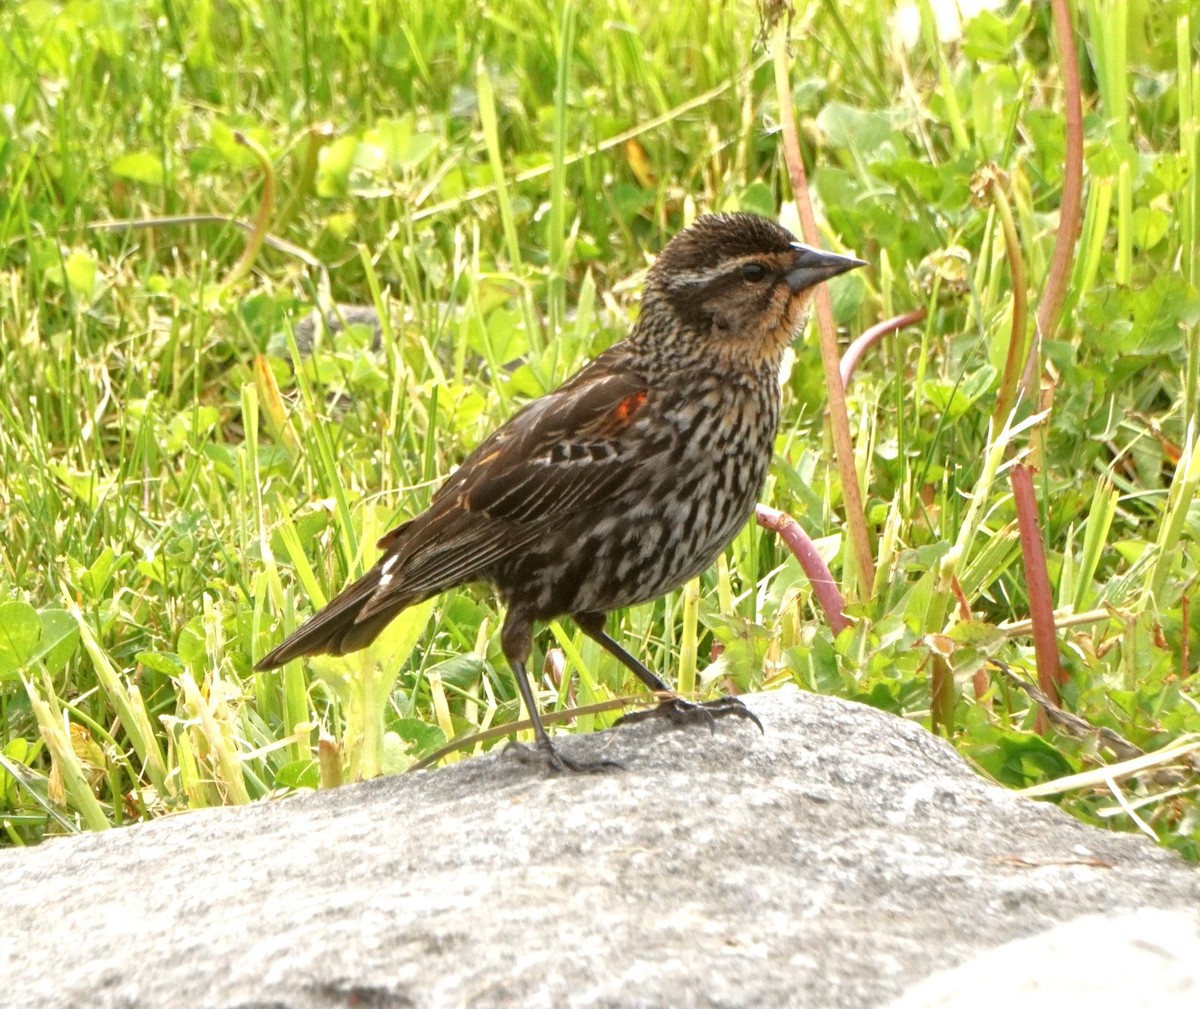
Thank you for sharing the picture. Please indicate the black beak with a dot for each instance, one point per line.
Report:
(812, 266)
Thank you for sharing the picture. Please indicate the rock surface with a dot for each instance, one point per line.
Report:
(1145, 959)
(832, 862)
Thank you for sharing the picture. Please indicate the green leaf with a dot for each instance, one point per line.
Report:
(461, 671)
(1149, 227)
(1149, 321)
(925, 180)
(947, 398)
(856, 130)
(166, 663)
(403, 147)
(421, 736)
(139, 166)
(28, 636)
(333, 167)
(846, 294)
(81, 269)
(20, 630)
(978, 634)
(505, 336)
(95, 579)
(226, 146)
(991, 38)
(191, 645)
(1018, 758)
(299, 774)
(758, 198)
(631, 200)
(59, 639)
(396, 755)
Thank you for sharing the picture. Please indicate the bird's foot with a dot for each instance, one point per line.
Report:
(546, 756)
(680, 712)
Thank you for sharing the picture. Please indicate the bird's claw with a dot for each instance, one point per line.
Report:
(547, 757)
(680, 712)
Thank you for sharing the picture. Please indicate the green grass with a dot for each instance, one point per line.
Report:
(171, 501)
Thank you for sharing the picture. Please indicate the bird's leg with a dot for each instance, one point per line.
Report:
(592, 624)
(516, 641)
(674, 709)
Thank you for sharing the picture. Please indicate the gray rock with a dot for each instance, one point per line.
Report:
(834, 861)
(334, 321)
(1146, 959)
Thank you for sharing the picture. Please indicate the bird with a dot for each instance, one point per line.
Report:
(621, 484)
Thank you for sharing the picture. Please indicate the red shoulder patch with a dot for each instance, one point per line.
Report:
(624, 411)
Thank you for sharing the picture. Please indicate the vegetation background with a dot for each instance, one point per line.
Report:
(181, 480)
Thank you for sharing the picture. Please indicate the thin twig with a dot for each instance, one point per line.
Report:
(1019, 627)
(839, 421)
(872, 336)
(186, 220)
(988, 185)
(1050, 309)
(548, 718)
(1068, 722)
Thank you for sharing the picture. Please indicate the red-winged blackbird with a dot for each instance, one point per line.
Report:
(624, 482)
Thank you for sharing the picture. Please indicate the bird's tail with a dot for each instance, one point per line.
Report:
(336, 629)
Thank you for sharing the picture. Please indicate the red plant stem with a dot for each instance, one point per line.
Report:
(839, 420)
(1050, 309)
(800, 543)
(872, 336)
(1037, 581)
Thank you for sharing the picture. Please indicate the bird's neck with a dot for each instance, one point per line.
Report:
(661, 343)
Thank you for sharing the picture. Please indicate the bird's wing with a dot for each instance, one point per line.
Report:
(573, 448)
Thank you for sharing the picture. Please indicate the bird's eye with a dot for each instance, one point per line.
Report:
(754, 272)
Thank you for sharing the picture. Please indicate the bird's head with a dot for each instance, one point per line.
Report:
(736, 284)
